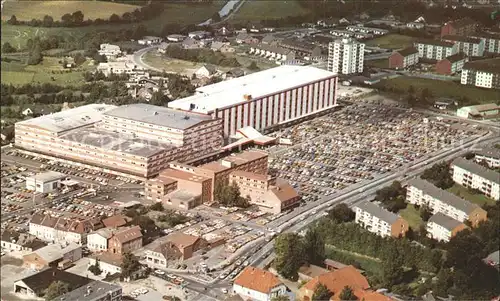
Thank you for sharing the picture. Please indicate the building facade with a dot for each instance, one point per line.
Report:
(380, 221)
(484, 111)
(461, 27)
(164, 255)
(472, 175)
(125, 240)
(260, 285)
(483, 74)
(264, 99)
(45, 182)
(442, 227)
(420, 192)
(467, 45)
(452, 64)
(489, 155)
(346, 56)
(435, 50)
(491, 41)
(404, 58)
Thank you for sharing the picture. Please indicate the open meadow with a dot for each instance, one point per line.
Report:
(265, 9)
(28, 10)
(392, 41)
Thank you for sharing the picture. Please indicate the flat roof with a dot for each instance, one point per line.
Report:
(90, 292)
(378, 211)
(491, 152)
(157, 115)
(443, 195)
(258, 84)
(69, 119)
(477, 169)
(117, 142)
(48, 176)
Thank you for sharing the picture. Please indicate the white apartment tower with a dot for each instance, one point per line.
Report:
(346, 56)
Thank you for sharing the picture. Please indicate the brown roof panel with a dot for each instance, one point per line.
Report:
(128, 234)
(182, 240)
(114, 221)
(257, 280)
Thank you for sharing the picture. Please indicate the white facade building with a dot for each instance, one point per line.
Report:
(122, 67)
(420, 192)
(346, 56)
(264, 99)
(97, 241)
(472, 175)
(379, 220)
(109, 50)
(489, 155)
(467, 45)
(442, 227)
(483, 74)
(435, 50)
(45, 182)
(259, 285)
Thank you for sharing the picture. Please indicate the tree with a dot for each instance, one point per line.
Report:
(7, 48)
(290, 255)
(341, 213)
(216, 17)
(439, 175)
(392, 268)
(130, 264)
(158, 206)
(77, 17)
(425, 213)
(56, 289)
(95, 268)
(114, 18)
(35, 56)
(347, 294)
(314, 246)
(79, 59)
(47, 21)
(321, 293)
(426, 95)
(66, 19)
(280, 298)
(12, 20)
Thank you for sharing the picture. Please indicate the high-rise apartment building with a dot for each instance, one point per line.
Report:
(346, 56)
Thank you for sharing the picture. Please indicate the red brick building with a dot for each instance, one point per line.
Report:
(125, 240)
(452, 64)
(403, 58)
(461, 27)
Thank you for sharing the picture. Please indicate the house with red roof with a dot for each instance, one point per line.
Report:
(260, 285)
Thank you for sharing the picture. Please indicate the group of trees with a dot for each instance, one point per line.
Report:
(130, 264)
(56, 289)
(229, 195)
(95, 268)
(201, 55)
(392, 197)
(171, 218)
(77, 19)
(439, 175)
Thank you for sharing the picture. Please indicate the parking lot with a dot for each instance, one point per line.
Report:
(358, 143)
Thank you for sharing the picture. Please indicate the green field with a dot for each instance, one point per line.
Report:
(179, 13)
(391, 41)
(49, 71)
(440, 88)
(465, 193)
(382, 63)
(370, 265)
(412, 216)
(262, 9)
(159, 61)
(27, 10)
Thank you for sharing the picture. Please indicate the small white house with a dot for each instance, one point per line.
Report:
(176, 38)
(256, 284)
(206, 71)
(97, 241)
(108, 263)
(45, 182)
(109, 50)
(27, 112)
(149, 40)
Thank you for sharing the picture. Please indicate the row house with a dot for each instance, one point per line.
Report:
(115, 241)
(442, 227)
(272, 52)
(452, 64)
(379, 220)
(62, 229)
(420, 192)
(467, 45)
(363, 29)
(435, 50)
(404, 58)
(350, 34)
(472, 175)
(305, 50)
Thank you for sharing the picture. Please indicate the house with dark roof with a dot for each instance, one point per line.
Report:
(35, 285)
(490, 155)
(472, 175)
(442, 227)
(221, 47)
(115, 221)
(163, 254)
(467, 45)
(379, 220)
(404, 58)
(94, 291)
(54, 255)
(303, 49)
(234, 73)
(435, 49)
(125, 240)
(452, 64)
(187, 244)
(256, 284)
(16, 241)
(420, 192)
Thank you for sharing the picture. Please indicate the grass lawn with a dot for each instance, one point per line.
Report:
(27, 10)
(440, 88)
(412, 216)
(180, 13)
(159, 61)
(382, 63)
(465, 193)
(19, 74)
(264, 9)
(392, 41)
(369, 265)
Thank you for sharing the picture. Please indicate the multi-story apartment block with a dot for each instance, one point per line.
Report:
(490, 155)
(380, 221)
(435, 50)
(404, 58)
(268, 193)
(442, 227)
(461, 27)
(483, 74)
(346, 56)
(467, 45)
(62, 229)
(491, 41)
(472, 175)
(137, 139)
(451, 64)
(420, 192)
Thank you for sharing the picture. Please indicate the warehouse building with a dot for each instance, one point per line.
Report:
(489, 110)
(138, 139)
(264, 99)
(45, 182)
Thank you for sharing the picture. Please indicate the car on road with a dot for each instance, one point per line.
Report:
(223, 275)
(159, 272)
(225, 291)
